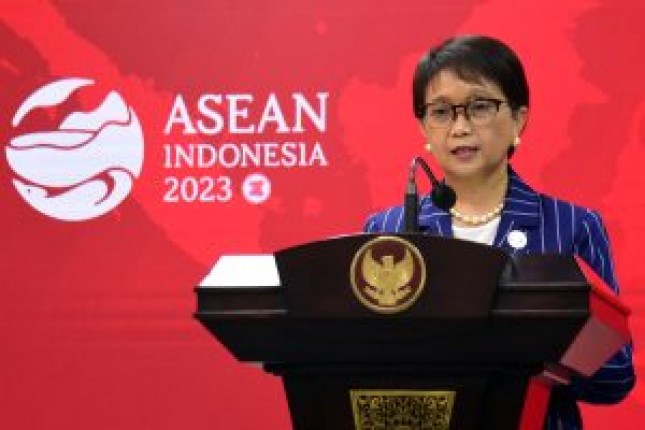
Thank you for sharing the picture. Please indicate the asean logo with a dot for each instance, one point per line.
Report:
(87, 166)
(388, 274)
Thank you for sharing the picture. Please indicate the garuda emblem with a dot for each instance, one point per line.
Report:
(388, 274)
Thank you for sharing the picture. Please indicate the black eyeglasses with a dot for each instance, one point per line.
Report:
(479, 111)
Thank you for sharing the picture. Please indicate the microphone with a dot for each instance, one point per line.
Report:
(442, 195)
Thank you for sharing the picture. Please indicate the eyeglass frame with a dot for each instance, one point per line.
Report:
(464, 106)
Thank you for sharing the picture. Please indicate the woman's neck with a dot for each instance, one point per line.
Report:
(481, 194)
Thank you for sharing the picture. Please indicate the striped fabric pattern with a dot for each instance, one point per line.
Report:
(550, 226)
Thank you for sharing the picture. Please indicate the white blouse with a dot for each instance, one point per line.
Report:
(484, 233)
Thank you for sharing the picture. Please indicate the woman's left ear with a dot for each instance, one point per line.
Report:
(521, 117)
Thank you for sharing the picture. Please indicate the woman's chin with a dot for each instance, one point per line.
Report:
(473, 169)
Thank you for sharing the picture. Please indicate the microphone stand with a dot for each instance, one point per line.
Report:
(442, 196)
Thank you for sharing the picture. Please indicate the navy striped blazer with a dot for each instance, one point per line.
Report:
(543, 225)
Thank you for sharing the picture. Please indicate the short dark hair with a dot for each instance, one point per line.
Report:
(472, 58)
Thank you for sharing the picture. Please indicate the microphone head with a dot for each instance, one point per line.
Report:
(443, 196)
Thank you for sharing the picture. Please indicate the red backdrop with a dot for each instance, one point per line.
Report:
(95, 315)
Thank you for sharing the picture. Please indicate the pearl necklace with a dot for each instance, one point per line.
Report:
(475, 220)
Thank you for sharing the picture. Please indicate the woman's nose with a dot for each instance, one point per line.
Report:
(461, 124)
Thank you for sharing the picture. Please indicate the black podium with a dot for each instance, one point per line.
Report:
(417, 332)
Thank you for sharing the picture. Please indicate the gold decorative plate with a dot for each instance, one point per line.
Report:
(402, 409)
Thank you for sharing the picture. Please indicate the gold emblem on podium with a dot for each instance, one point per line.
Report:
(388, 274)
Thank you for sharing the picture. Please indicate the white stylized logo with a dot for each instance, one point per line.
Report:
(86, 167)
(256, 188)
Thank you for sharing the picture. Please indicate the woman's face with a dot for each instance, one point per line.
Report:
(469, 149)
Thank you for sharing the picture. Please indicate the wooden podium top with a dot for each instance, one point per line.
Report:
(478, 307)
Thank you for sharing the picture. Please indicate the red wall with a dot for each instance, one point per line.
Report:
(95, 315)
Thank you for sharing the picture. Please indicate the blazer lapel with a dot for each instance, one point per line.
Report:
(520, 217)
(433, 220)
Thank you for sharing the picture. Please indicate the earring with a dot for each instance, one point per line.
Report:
(517, 141)
(428, 147)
